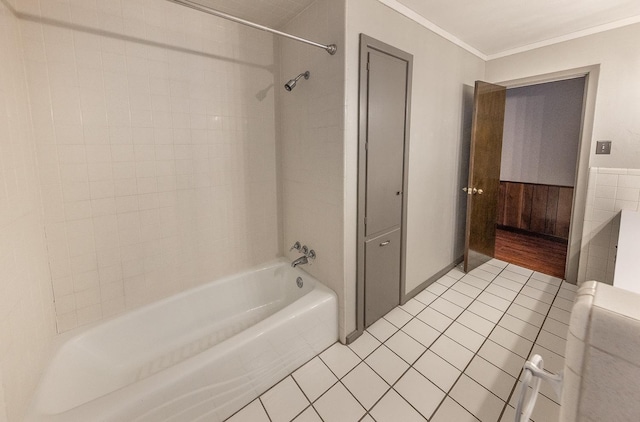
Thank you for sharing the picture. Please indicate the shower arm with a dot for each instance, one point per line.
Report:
(330, 48)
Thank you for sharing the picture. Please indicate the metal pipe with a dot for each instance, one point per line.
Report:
(331, 48)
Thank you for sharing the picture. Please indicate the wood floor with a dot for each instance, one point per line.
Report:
(538, 254)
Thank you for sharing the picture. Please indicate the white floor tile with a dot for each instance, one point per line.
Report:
(507, 284)
(559, 315)
(567, 294)
(447, 308)
(563, 304)
(474, 281)
(483, 274)
(393, 408)
(490, 377)
(541, 285)
(413, 307)
(509, 415)
(494, 301)
(569, 286)
(466, 289)
(452, 352)
(526, 315)
(435, 319)
(421, 332)
(465, 336)
(519, 270)
(365, 385)
(511, 341)
(502, 358)
(364, 345)
(546, 278)
(490, 268)
(309, 415)
(387, 364)
(451, 411)
(382, 329)
(405, 346)
(457, 298)
(284, 401)
(485, 311)
(556, 327)
(447, 281)
(425, 297)
(477, 400)
(340, 359)
(503, 292)
(519, 327)
(497, 263)
(398, 317)
(537, 294)
(436, 288)
(456, 273)
(519, 278)
(533, 304)
(544, 410)
(552, 342)
(338, 405)
(421, 393)
(367, 418)
(253, 412)
(478, 324)
(314, 378)
(437, 370)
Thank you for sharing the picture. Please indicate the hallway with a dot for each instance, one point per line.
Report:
(452, 353)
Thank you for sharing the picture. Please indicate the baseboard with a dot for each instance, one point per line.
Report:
(408, 296)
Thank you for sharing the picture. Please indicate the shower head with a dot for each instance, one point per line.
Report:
(292, 83)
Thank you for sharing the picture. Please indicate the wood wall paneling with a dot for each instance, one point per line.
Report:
(541, 209)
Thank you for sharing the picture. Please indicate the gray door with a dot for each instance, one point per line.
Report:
(385, 142)
(384, 98)
(382, 273)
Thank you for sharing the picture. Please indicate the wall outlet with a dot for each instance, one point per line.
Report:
(603, 147)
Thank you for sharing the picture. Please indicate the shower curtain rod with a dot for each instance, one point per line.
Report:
(331, 48)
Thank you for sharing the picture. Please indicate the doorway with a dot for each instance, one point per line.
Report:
(542, 128)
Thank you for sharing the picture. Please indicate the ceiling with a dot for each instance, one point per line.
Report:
(496, 27)
(488, 28)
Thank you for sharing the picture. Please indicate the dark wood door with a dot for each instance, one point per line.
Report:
(484, 173)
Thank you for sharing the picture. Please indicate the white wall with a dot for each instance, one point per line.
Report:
(311, 147)
(542, 126)
(27, 320)
(155, 135)
(618, 96)
(442, 75)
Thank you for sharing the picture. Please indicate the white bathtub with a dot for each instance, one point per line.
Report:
(197, 356)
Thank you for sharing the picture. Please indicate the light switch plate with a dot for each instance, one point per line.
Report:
(603, 147)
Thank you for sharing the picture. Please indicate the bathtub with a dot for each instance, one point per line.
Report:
(198, 356)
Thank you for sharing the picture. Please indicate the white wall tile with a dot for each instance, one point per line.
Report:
(613, 190)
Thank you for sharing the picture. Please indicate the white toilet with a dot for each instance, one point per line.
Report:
(601, 377)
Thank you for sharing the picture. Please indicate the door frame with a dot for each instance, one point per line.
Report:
(575, 268)
(366, 43)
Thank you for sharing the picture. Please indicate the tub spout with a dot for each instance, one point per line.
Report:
(300, 261)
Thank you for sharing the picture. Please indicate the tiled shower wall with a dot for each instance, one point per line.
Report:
(610, 190)
(311, 148)
(155, 135)
(27, 321)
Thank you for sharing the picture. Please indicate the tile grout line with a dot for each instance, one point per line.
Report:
(530, 350)
(476, 352)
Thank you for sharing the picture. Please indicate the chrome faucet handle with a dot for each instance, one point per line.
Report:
(311, 254)
(295, 246)
(305, 250)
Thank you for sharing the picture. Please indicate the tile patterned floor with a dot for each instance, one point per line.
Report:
(452, 353)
